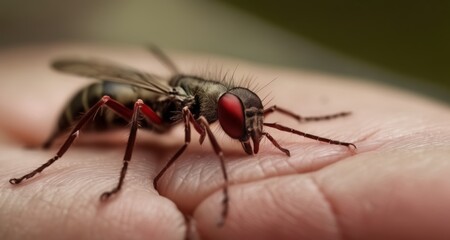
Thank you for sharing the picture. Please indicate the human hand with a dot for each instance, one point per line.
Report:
(394, 186)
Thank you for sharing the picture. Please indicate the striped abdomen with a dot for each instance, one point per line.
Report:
(107, 119)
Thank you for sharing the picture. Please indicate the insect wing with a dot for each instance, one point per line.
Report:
(106, 71)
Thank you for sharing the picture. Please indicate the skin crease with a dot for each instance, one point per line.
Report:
(394, 186)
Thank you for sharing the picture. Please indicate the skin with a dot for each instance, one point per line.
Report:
(394, 186)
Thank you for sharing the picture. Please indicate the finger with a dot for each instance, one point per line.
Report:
(405, 197)
(289, 207)
(360, 198)
(63, 202)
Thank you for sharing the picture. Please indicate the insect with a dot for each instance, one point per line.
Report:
(149, 101)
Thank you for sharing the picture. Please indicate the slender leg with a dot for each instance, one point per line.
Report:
(106, 101)
(187, 119)
(201, 125)
(128, 151)
(219, 153)
(187, 140)
(299, 118)
(66, 145)
(307, 135)
(275, 143)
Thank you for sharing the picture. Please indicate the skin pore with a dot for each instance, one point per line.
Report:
(394, 186)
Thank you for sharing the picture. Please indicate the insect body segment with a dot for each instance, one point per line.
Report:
(145, 100)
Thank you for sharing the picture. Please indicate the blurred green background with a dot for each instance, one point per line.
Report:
(404, 43)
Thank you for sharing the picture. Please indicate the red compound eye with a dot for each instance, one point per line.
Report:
(231, 115)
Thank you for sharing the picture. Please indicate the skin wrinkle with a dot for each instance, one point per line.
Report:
(188, 173)
(399, 141)
(64, 213)
(334, 212)
(78, 204)
(123, 220)
(261, 170)
(59, 191)
(72, 205)
(119, 222)
(296, 171)
(314, 160)
(218, 190)
(274, 197)
(205, 176)
(16, 230)
(291, 167)
(42, 205)
(286, 161)
(10, 224)
(268, 196)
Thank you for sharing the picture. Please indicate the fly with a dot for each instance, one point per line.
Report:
(194, 101)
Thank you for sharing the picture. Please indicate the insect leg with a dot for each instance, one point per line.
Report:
(219, 153)
(148, 112)
(187, 119)
(307, 135)
(106, 100)
(187, 140)
(201, 125)
(299, 118)
(276, 144)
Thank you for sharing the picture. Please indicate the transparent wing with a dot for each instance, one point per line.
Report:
(106, 71)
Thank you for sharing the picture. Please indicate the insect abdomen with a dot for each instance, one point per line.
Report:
(86, 98)
(81, 102)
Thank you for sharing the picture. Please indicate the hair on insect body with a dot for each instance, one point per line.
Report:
(148, 101)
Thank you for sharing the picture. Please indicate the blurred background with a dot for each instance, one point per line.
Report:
(403, 43)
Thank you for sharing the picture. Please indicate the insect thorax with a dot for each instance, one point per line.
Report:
(205, 92)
